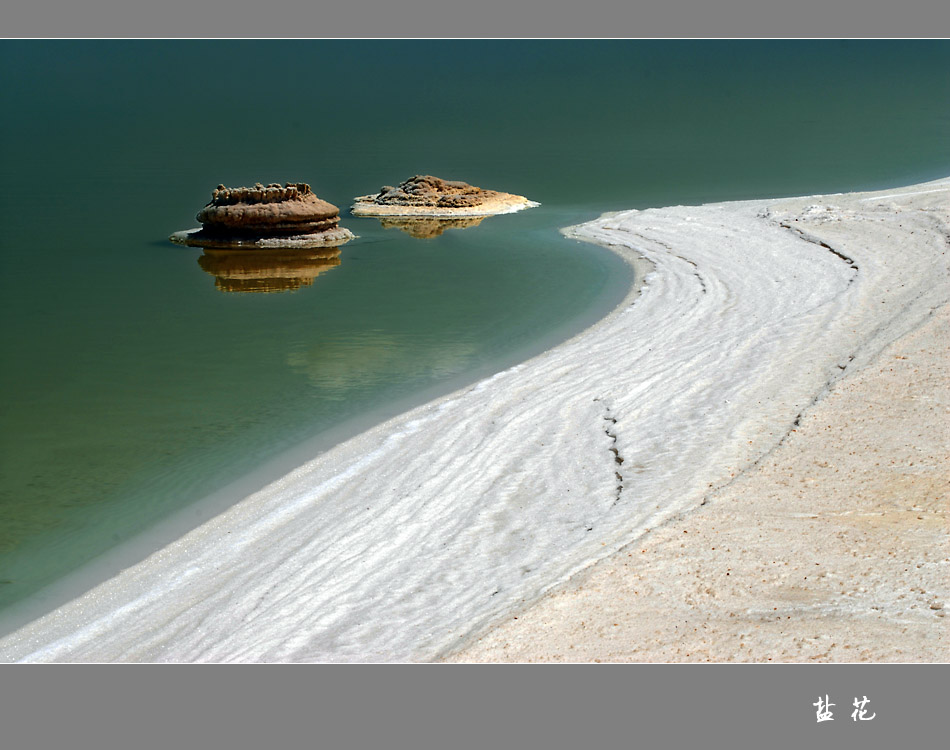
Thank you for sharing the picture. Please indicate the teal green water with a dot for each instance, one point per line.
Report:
(132, 385)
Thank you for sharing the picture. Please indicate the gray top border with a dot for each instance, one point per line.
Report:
(407, 706)
(606, 19)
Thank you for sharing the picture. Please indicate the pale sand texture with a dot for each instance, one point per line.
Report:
(412, 538)
(834, 547)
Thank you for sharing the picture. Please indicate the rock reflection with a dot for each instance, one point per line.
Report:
(339, 366)
(271, 270)
(427, 227)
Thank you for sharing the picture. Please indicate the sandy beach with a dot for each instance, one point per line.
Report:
(746, 460)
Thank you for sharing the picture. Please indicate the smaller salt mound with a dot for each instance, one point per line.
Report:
(425, 195)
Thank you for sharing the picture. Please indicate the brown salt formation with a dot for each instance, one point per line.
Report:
(425, 228)
(271, 270)
(266, 216)
(425, 195)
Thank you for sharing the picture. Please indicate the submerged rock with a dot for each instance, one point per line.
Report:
(266, 216)
(425, 195)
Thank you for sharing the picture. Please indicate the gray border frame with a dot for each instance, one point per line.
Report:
(470, 706)
(569, 706)
(481, 18)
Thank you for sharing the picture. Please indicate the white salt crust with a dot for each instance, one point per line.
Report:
(330, 238)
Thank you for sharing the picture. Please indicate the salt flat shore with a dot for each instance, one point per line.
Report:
(834, 546)
(760, 329)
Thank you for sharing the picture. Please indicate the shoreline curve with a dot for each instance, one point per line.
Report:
(409, 539)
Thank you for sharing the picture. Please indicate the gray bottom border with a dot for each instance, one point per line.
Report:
(470, 706)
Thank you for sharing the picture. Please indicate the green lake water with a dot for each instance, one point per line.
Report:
(137, 377)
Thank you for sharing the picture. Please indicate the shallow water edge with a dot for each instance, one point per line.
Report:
(178, 523)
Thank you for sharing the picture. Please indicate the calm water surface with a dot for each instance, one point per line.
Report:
(137, 376)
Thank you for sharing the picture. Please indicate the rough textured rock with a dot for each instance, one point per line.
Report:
(266, 211)
(426, 190)
(425, 195)
(255, 215)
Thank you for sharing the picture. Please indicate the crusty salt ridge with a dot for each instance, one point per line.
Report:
(833, 548)
(330, 238)
(404, 541)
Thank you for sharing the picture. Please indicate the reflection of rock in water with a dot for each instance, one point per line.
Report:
(340, 364)
(277, 270)
(426, 227)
